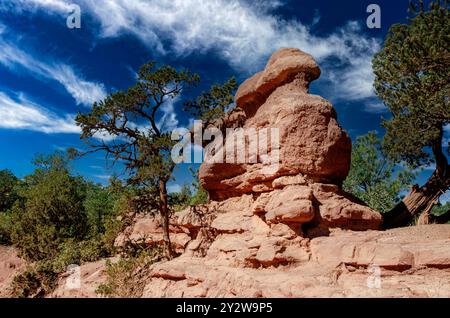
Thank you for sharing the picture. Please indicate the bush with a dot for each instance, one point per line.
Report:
(35, 281)
(125, 278)
(5, 228)
(373, 176)
(92, 250)
(8, 190)
(52, 213)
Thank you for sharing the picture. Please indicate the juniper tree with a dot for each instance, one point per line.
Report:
(412, 78)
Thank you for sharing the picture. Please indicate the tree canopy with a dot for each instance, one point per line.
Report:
(411, 77)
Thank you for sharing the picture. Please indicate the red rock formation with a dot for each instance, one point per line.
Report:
(314, 152)
(240, 255)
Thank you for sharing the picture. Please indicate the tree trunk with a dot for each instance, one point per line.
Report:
(164, 210)
(422, 199)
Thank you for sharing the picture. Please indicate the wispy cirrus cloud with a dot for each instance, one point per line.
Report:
(83, 91)
(243, 33)
(53, 5)
(19, 112)
(22, 113)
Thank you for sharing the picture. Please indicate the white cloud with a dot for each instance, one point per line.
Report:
(103, 177)
(173, 188)
(83, 91)
(104, 136)
(55, 5)
(21, 113)
(375, 107)
(244, 33)
(168, 120)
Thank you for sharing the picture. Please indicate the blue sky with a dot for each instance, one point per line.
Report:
(49, 72)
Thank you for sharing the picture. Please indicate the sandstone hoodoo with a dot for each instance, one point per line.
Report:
(314, 153)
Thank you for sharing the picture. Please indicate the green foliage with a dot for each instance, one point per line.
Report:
(372, 177)
(213, 104)
(8, 190)
(143, 148)
(99, 206)
(60, 220)
(35, 281)
(412, 78)
(125, 277)
(201, 195)
(5, 228)
(439, 210)
(180, 200)
(68, 253)
(186, 196)
(51, 213)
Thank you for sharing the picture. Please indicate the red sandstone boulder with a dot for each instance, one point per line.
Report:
(282, 68)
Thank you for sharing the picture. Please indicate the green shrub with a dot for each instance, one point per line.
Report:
(125, 278)
(92, 250)
(69, 253)
(52, 213)
(36, 281)
(5, 228)
(8, 190)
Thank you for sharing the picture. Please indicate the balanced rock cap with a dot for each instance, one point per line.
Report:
(283, 67)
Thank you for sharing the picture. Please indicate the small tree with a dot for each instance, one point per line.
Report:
(141, 143)
(373, 177)
(99, 206)
(200, 195)
(412, 78)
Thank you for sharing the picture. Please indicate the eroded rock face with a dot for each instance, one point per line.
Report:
(253, 259)
(237, 254)
(233, 253)
(304, 186)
